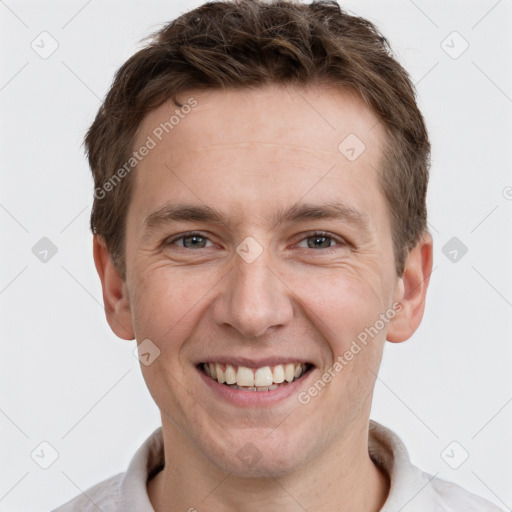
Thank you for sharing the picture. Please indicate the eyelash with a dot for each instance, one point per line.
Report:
(313, 234)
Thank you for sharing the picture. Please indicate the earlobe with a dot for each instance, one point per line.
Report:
(115, 297)
(411, 290)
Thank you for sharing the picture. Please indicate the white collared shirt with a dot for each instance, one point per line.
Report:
(412, 490)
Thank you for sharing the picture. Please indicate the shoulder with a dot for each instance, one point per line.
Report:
(453, 497)
(412, 489)
(124, 492)
(103, 496)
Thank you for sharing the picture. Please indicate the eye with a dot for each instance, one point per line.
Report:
(321, 240)
(191, 240)
(316, 240)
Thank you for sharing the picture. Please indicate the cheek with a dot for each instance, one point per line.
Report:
(345, 313)
(166, 303)
(341, 310)
(341, 303)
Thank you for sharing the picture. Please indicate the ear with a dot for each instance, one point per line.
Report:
(115, 297)
(411, 291)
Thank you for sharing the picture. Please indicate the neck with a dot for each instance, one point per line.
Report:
(343, 478)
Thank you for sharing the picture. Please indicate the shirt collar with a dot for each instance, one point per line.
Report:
(410, 487)
(133, 494)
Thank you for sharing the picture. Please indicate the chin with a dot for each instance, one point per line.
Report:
(266, 465)
(255, 456)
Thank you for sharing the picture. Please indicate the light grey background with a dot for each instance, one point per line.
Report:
(68, 381)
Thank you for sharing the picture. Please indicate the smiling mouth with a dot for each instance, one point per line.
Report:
(266, 378)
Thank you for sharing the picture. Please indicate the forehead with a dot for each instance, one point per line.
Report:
(327, 115)
(249, 149)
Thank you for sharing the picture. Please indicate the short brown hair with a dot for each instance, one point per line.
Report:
(249, 44)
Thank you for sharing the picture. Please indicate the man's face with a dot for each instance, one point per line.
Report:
(256, 290)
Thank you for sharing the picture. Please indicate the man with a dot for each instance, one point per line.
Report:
(260, 229)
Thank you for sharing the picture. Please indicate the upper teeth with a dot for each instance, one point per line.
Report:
(243, 376)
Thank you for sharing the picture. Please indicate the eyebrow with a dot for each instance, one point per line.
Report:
(169, 213)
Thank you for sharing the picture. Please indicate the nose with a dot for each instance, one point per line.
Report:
(254, 299)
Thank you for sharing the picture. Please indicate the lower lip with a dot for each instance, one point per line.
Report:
(242, 398)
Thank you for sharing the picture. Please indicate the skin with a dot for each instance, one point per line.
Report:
(248, 154)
